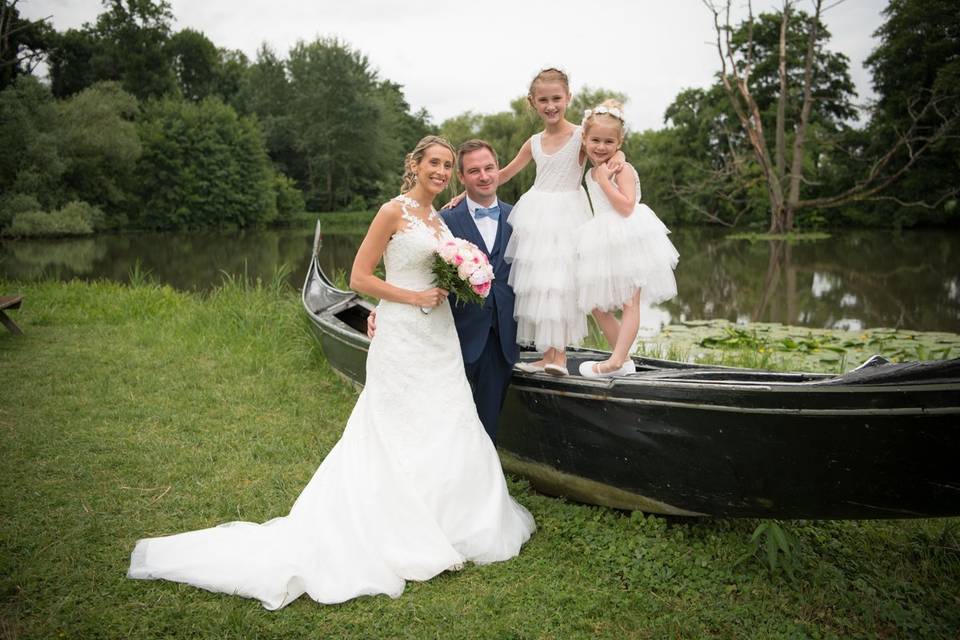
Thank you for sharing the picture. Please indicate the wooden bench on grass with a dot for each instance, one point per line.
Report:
(10, 302)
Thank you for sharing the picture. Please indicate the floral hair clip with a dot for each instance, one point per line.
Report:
(601, 110)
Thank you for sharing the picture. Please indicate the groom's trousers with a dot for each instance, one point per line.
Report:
(489, 377)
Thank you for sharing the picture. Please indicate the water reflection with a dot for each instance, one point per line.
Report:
(854, 280)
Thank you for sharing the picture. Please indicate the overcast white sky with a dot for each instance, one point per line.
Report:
(482, 54)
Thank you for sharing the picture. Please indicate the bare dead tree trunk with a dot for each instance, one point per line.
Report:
(9, 56)
(736, 84)
(6, 19)
(781, 142)
(913, 142)
(796, 167)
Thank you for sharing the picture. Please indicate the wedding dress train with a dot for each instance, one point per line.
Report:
(414, 486)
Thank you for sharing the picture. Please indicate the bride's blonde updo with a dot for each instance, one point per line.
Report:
(414, 157)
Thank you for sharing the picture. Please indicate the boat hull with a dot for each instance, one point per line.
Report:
(679, 457)
(683, 440)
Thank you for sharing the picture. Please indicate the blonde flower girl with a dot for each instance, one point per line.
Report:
(624, 258)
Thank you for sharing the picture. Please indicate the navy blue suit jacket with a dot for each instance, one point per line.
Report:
(473, 321)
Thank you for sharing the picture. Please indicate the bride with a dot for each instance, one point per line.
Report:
(414, 486)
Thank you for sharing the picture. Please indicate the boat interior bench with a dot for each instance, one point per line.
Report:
(10, 302)
(355, 317)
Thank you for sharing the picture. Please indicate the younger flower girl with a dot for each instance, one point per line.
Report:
(623, 254)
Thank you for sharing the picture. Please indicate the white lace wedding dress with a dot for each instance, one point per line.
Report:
(413, 488)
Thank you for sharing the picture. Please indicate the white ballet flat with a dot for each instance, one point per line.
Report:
(556, 370)
(587, 369)
(526, 367)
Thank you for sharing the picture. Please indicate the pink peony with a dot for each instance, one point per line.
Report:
(481, 289)
(464, 269)
(480, 276)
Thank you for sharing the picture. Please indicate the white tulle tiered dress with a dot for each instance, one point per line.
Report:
(543, 246)
(414, 486)
(616, 255)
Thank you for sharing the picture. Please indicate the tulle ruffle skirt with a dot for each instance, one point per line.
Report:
(618, 255)
(542, 253)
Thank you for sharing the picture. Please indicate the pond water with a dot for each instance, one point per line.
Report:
(853, 280)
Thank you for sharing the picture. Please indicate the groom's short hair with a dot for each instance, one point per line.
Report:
(473, 145)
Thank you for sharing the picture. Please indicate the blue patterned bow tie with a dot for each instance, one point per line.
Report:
(492, 212)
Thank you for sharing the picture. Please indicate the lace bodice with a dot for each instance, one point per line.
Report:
(408, 258)
(601, 204)
(560, 170)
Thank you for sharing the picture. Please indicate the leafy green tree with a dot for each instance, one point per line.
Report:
(289, 199)
(137, 32)
(77, 59)
(337, 115)
(700, 159)
(832, 86)
(13, 204)
(657, 157)
(195, 62)
(330, 123)
(266, 92)
(30, 160)
(100, 147)
(231, 75)
(202, 166)
(400, 130)
(126, 44)
(915, 67)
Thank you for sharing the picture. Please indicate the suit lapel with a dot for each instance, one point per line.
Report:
(499, 243)
(498, 239)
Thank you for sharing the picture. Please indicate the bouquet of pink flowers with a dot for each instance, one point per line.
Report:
(463, 269)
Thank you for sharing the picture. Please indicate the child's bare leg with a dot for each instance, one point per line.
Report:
(548, 356)
(609, 325)
(555, 356)
(629, 326)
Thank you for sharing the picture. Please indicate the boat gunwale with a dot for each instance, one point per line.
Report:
(325, 319)
(741, 409)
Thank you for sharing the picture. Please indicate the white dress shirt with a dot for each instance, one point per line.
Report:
(487, 226)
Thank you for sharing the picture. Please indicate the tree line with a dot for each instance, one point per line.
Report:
(140, 127)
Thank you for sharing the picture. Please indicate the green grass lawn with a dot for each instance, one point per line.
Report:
(132, 411)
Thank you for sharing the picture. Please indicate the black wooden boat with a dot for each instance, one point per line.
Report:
(882, 441)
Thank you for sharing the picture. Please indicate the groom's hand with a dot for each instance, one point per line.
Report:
(372, 324)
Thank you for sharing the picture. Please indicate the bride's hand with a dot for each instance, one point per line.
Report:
(429, 297)
(454, 201)
(372, 324)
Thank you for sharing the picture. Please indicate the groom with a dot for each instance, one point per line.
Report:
(487, 331)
